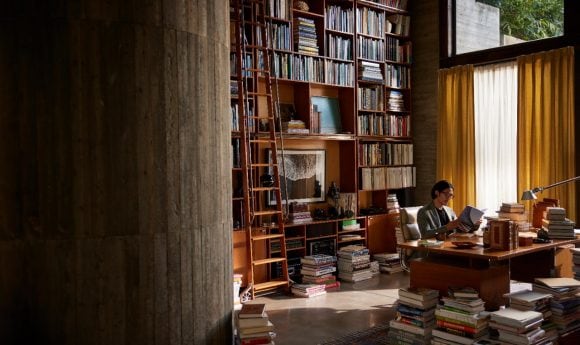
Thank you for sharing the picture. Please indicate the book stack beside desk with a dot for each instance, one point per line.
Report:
(253, 327)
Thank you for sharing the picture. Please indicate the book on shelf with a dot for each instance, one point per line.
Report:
(252, 310)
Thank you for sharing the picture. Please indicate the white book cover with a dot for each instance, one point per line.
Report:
(515, 317)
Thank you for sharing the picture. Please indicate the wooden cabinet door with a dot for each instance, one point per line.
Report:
(381, 233)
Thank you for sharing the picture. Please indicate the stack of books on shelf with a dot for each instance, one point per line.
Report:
(395, 101)
(295, 127)
(461, 319)
(415, 316)
(557, 225)
(308, 290)
(253, 325)
(354, 263)
(398, 24)
(536, 301)
(515, 326)
(576, 262)
(565, 303)
(349, 225)
(319, 269)
(388, 262)
(393, 203)
(298, 213)
(305, 38)
(370, 71)
(516, 213)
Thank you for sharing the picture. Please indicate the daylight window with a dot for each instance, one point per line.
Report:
(484, 24)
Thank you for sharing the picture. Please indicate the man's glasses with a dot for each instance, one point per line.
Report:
(448, 195)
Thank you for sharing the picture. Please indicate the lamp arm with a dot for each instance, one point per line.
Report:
(539, 189)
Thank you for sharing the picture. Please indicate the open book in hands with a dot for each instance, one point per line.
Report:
(470, 217)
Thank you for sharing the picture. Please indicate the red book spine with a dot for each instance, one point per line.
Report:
(443, 323)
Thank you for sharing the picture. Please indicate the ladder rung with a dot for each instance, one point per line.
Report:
(257, 165)
(263, 94)
(266, 237)
(266, 213)
(270, 285)
(263, 189)
(262, 141)
(267, 261)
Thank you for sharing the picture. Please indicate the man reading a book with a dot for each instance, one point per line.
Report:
(436, 219)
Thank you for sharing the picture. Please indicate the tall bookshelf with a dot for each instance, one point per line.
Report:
(342, 73)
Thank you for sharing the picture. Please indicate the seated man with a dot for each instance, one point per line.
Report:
(436, 219)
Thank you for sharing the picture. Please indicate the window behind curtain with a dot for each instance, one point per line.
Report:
(495, 108)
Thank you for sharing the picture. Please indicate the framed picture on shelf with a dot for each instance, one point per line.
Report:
(324, 246)
(302, 175)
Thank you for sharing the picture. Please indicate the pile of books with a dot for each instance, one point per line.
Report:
(370, 71)
(415, 316)
(319, 269)
(253, 325)
(305, 38)
(536, 301)
(565, 303)
(557, 225)
(395, 101)
(298, 213)
(388, 262)
(295, 127)
(461, 318)
(515, 326)
(308, 290)
(393, 203)
(516, 213)
(354, 263)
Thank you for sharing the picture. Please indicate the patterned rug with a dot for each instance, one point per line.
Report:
(373, 336)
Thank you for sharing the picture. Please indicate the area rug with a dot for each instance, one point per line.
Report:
(373, 336)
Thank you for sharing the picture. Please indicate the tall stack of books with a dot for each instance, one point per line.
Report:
(576, 262)
(305, 38)
(516, 213)
(388, 262)
(515, 326)
(318, 269)
(460, 319)
(536, 301)
(395, 101)
(354, 263)
(415, 316)
(565, 304)
(370, 71)
(253, 326)
(557, 225)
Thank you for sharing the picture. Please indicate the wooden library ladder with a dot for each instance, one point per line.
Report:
(264, 225)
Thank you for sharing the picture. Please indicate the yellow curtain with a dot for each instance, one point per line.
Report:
(546, 125)
(456, 133)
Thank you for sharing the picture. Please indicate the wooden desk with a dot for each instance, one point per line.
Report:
(489, 271)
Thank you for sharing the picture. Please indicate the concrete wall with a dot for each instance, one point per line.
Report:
(479, 26)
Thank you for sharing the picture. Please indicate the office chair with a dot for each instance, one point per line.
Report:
(410, 231)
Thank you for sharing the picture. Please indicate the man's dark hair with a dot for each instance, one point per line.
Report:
(440, 186)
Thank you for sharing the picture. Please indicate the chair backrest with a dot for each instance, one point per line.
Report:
(409, 226)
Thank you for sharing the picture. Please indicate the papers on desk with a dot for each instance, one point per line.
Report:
(429, 243)
(471, 215)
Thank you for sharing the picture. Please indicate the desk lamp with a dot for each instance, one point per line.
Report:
(531, 194)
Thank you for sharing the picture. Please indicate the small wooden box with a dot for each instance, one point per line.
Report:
(525, 241)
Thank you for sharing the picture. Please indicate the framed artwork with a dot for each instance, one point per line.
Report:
(302, 174)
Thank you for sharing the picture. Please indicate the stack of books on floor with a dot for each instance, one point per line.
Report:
(565, 303)
(319, 269)
(557, 225)
(415, 316)
(461, 319)
(513, 326)
(370, 71)
(308, 290)
(536, 301)
(516, 213)
(393, 203)
(354, 263)
(388, 262)
(576, 262)
(253, 326)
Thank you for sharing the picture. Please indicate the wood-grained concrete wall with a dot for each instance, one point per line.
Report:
(114, 173)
